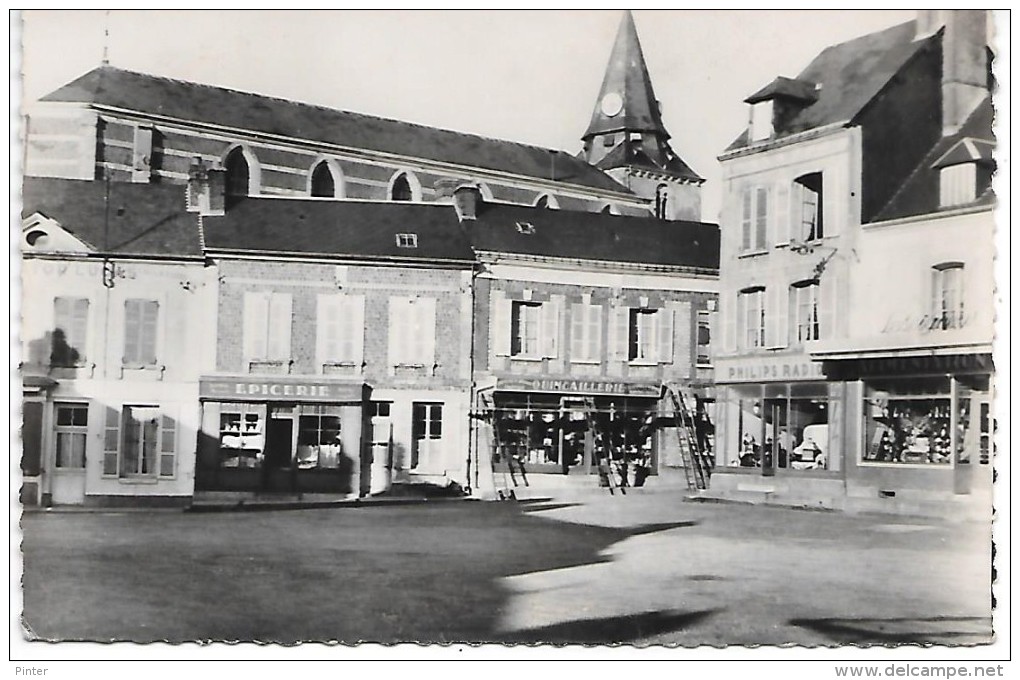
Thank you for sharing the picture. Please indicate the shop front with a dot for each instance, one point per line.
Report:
(781, 428)
(281, 435)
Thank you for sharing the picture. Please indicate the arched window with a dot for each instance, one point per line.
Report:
(547, 201)
(401, 189)
(239, 173)
(326, 180)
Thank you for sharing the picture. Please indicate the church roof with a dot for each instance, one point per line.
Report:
(625, 155)
(626, 79)
(186, 101)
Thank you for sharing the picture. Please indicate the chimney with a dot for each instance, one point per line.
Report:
(928, 22)
(206, 189)
(467, 199)
(964, 65)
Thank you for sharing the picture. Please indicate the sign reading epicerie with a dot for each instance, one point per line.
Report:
(256, 389)
(767, 369)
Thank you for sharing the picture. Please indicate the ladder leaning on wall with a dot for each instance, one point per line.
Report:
(696, 466)
(602, 450)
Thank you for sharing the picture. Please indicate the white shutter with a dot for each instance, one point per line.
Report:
(761, 218)
(168, 440)
(774, 307)
(664, 335)
(397, 330)
(746, 218)
(783, 214)
(549, 328)
(355, 329)
(619, 334)
(327, 328)
(827, 309)
(729, 308)
(578, 330)
(499, 324)
(111, 441)
(256, 319)
(423, 341)
(280, 318)
(594, 331)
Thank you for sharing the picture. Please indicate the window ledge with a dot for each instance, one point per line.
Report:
(590, 362)
(752, 253)
(704, 365)
(521, 357)
(643, 362)
(139, 481)
(149, 371)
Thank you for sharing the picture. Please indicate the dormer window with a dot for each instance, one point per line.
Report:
(526, 228)
(547, 201)
(957, 185)
(761, 120)
(965, 171)
(407, 240)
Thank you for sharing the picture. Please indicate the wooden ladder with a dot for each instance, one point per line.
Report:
(695, 467)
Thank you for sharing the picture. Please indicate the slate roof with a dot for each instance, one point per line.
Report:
(919, 194)
(158, 96)
(144, 219)
(785, 87)
(850, 75)
(346, 228)
(624, 155)
(599, 237)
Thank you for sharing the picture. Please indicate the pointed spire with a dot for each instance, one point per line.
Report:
(626, 100)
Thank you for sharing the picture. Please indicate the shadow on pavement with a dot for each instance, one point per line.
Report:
(618, 629)
(955, 630)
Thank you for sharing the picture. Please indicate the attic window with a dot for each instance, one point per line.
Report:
(407, 240)
(526, 228)
(36, 237)
(958, 184)
(761, 120)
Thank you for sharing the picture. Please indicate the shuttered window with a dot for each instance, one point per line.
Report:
(957, 184)
(141, 320)
(585, 332)
(752, 318)
(267, 326)
(804, 314)
(650, 335)
(535, 328)
(412, 331)
(754, 219)
(70, 329)
(340, 329)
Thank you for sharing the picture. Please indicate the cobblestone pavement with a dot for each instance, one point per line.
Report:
(646, 568)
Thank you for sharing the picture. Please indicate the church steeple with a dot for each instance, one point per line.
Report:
(627, 139)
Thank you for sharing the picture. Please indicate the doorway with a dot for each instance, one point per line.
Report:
(278, 466)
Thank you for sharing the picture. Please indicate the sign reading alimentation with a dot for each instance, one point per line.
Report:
(767, 370)
(570, 386)
(255, 389)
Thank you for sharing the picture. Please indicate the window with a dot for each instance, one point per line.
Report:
(70, 326)
(267, 326)
(585, 332)
(427, 431)
(407, 240)
(401, 189)
(752, 317)
(947, 291)
(526, 228)
(340, 329)
(148, 443)
(957, 184)
(761, 120)
(141, 170)
(525, 333)
(547, 201)
(412, 331)
(909, 420)
(649, 334)
(326, 181)
(754, 218)
(807, 207)
(704, 344)
(71, 432)
(141, 318)
(238, 173)
(804, 310)
(319, 445)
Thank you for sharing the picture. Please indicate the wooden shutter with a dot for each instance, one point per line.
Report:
(594, 331)
(280, 319)
(549, 328)
(328, 320)
(423, 341)
(827, 309)
(167, 443)
(761, 217)
(132, 331)
(256, 321)
(499, 324)
(664, 335)
(776, 302)
(355, 330)
(619, 334)
(729, 308)
(746, 217)
(80, 325)
(578, 330)
(783, 214)
(149, 331)
(111, 441)
(400, 323)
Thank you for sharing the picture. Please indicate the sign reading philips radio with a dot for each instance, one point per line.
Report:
(764, 369)
(570, 386)
(228, 389)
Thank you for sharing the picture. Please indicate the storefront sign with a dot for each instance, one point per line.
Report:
(767, 370)
(255, 389)
(924, 323)
(570, 386)
(916, 365)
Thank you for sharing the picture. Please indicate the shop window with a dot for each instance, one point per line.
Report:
(148, 443)
(141, 325)
(72, 421)
(947, 290)
(704, 340)
(326, 180)
(751, 306)
(70, 329)
(412, 331)
(267, 328)
(242, 436)
(957, 185)
(807, 206)
(427, 433)
(805, 324)
(908, 421)
(783, 427)
(319, 445)
(585, 332)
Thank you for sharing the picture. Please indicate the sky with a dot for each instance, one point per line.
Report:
(528, 76)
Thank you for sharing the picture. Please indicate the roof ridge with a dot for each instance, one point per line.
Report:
(330, 109)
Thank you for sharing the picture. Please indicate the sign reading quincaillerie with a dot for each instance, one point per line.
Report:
(260, 389)
(570, 386)
(767, 369)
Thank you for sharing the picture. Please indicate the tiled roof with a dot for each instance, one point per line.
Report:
(157, 96)
(354, 229)
(125, 218)
(599, 237)
(919, 194)
(850, 75)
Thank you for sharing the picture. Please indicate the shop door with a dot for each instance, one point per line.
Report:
(68, 479)
(427, 445)
(279, 454)
(381, 462)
